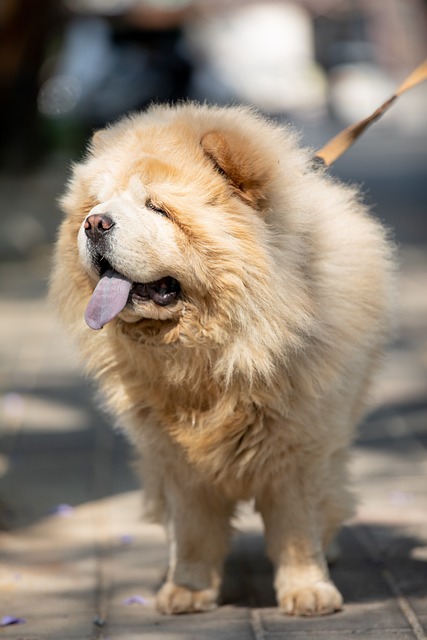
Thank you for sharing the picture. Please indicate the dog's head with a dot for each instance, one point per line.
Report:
(170, 227)
(167, 213)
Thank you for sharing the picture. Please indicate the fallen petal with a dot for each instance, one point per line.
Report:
(64, 510)
(401, 498)
(135, 600)
(8, 620)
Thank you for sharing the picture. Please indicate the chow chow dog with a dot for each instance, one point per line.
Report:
(233, 302)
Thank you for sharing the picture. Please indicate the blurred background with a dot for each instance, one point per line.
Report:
(67, 68)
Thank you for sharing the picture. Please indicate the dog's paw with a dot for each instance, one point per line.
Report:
(318, 599)
(173, 598)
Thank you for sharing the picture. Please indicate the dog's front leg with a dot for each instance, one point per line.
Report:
(199, 532)
(290, 510)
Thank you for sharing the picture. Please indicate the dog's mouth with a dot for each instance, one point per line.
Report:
(114, 291)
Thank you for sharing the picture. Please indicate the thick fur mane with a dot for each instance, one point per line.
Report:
(277, 287)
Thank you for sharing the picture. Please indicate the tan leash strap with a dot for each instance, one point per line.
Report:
(338, 145)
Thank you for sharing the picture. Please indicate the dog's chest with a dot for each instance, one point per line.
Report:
(231, 446)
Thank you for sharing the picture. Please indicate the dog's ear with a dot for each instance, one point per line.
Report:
(234, 158)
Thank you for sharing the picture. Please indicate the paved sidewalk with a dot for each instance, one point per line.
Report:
(73, 549)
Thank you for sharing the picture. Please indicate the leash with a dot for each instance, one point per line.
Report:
(338, 145)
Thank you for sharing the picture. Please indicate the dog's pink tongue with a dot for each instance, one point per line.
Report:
(108, 299)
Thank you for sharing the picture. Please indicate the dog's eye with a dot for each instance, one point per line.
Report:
(154, 207)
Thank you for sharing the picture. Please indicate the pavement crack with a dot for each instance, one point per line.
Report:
(256, 624)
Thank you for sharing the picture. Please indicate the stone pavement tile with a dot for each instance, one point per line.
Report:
(52, 565)
(374, 622)
(403, 553)
(50, 628)
(396, 459)
(418, 604)
(135, 558)
(388, 447)
(369, 603)
(248, 576)
(390, 469)
(395, 501)
(57, 482)
(225, 624)
(132, 558)
(47, 577)
(369, 634)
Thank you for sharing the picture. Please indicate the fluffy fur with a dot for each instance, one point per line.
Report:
(251, 383)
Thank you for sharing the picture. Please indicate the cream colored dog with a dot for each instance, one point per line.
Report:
(244, 300)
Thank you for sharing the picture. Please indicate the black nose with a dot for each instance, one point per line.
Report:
(97, 225)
